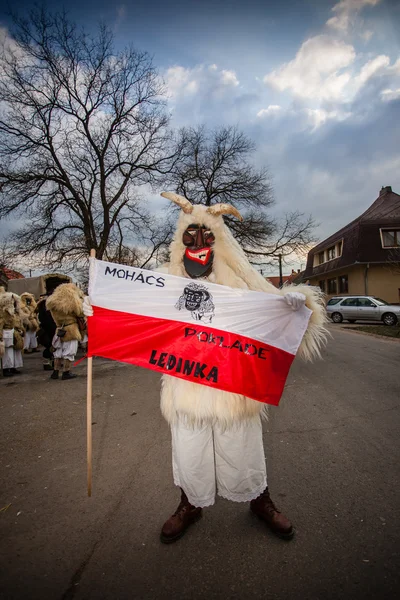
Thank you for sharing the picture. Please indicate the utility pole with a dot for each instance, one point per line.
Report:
(280, 271)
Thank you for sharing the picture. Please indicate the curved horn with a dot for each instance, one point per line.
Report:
(184, 203)
(224, 209)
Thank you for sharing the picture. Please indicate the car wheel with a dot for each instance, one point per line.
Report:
(351, 320)
(336, 317)
(389, 319)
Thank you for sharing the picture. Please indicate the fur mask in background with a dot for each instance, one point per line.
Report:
(29, 301)
(8, 303)
(66, 299)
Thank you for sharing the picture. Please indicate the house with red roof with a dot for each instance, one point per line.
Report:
(6, 274)
(294, 277)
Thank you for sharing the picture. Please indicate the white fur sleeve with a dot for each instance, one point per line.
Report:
(316, 335)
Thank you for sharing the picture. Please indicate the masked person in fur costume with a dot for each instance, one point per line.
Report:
(11, 333)
(65, 305)
(217, 444)
(45, 334)
(29, 305)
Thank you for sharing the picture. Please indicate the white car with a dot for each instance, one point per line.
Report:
(362, 308)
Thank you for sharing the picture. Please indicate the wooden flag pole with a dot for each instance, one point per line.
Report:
(89, 412)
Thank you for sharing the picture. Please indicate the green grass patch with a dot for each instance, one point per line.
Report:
(379, 330)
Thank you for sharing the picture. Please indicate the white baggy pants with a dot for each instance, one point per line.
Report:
(30, 340)
(12, 358)
(65, 350)
(206, 460)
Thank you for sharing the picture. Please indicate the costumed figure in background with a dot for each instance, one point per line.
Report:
(45, 335)
(65, 305)
(11, 333)
(217, 444)
(29, 306)
(84, 343)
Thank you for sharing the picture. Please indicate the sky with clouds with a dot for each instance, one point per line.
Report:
(315, 83)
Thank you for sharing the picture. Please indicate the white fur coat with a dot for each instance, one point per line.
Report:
(196, 403)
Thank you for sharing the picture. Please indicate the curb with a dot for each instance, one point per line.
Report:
(374, 335)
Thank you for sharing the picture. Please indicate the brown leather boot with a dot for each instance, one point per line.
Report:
(67, 370)
(57, 368)
(185, 515)
(266, 510)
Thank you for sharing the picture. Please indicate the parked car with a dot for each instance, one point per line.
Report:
(362, 308)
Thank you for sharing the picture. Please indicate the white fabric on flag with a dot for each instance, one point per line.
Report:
(233, 339)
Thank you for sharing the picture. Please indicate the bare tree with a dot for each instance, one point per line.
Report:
(82, 128)
(215, 166)
(4, 254)
(151, 246)
(291, 237)
(9, 260)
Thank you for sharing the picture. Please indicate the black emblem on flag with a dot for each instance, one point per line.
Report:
(198, 301)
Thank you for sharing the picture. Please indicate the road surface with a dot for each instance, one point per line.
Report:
(333, 464)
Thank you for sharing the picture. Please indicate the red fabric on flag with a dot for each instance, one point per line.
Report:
(195, 352)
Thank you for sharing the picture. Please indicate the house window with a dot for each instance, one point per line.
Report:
(332, 287)
(321, 258)
(391, 238)
(331, 252)
(339, 248)
(344, 284)
(322, 285)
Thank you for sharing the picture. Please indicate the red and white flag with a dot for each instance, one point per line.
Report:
(231, 339)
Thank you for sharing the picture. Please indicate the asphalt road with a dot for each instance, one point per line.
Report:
(333, 463)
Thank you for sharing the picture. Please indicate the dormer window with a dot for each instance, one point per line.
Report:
(390, 238)
(331, 252)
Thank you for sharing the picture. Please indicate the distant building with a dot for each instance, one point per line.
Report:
(39, 285)
(364, 256)
(294, 277)
(7, 274)
(275, 280)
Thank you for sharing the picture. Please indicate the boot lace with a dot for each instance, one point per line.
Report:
(182, 509)
(267, 502)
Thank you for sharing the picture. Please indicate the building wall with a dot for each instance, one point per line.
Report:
(355, 280)
(383, 282)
